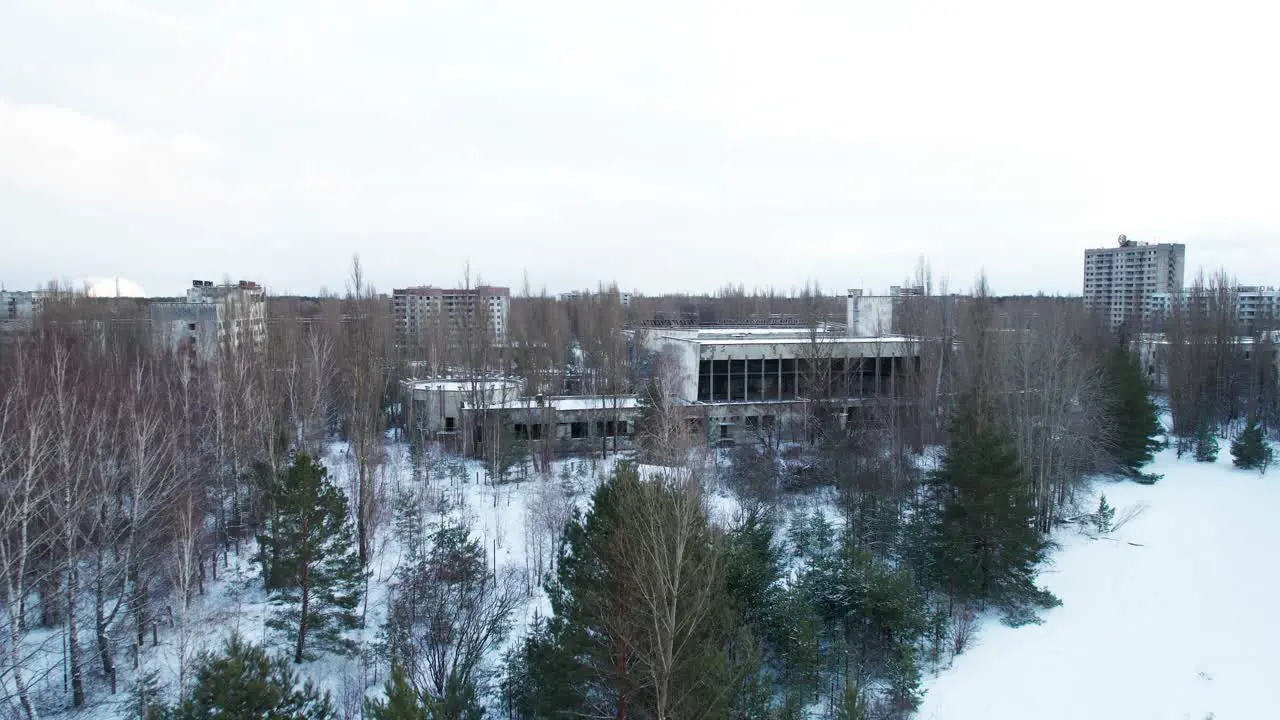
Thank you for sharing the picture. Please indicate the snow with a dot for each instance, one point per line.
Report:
(465, 385)
(501, 517)
(1169, 617)
(573, 402)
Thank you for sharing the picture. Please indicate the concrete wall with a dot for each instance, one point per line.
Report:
(430, 404)
(868, 315)
(189, 329)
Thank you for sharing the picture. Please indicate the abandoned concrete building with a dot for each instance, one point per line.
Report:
(731, 385)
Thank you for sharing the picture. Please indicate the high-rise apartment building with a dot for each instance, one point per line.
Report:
(1129, 280)
(418, 309)
(211, 318)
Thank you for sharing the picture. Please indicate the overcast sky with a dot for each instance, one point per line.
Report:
(664, 144)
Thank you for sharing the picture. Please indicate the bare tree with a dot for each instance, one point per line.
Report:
(671, 565)
(365, 383)
(26, 445)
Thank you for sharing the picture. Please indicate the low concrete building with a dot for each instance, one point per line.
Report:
(572, 424)
(743, 383)
(434, 407)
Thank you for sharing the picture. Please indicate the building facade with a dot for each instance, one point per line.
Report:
(418, 310)
(212, 317)
(1254, 307)
(1129, 281)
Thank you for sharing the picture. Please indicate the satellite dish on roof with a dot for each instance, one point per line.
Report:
(1123, 240)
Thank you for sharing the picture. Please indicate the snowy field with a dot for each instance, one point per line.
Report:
(1171, 617)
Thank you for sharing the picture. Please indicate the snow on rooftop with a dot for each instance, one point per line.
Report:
(574, 402)
(464, 385)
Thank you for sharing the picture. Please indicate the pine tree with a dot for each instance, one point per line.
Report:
(309, 560)
(753, 567)
(853, 703)
(1135, 418)
(986, 548)
(1105, 515)
(245, 684)
(1206, 444)
(145, 700)
(401, 703)
(597, 654)
(1250, 450)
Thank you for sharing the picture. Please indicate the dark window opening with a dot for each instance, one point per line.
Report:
(578, 430)
(609, 428)
(450, 424)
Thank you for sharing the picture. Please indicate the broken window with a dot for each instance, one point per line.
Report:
(578, 430)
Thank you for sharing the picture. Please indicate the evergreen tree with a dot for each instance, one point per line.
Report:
(597, 654)
(145, 700)
(402, 702)
(753, 567)
(1135, 418)
(1206, 444)
(1105, 515)
(1250, 450)
(309, 560)
(986, 548)
(245, 684)
(853, 703)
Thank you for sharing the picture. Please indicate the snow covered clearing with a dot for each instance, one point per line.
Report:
(1171, 616)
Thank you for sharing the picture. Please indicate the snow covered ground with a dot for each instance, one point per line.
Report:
(504, 518)
(1170, 617)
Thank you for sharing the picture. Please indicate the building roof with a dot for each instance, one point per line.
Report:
(572, 402)
(772, 336)
(463, 384)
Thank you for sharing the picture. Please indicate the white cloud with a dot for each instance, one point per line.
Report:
(64, 151)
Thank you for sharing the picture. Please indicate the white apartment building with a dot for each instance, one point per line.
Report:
(1253, 303)
(1131, 279)
(418, 309)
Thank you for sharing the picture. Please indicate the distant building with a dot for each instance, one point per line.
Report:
(19, 305)
(624, 298)
(1254, 305)
(418, 309)
(211, 317)
(1133, 279)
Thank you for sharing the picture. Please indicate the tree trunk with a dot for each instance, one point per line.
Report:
(302, 617)
(73, 640)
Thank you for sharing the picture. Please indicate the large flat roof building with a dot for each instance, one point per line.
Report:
(1128, 281)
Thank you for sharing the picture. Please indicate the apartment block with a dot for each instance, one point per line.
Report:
(419, 309)
(1130, 280)
(624, 298)
(210, 318)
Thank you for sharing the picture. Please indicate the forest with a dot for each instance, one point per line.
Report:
(136, 484)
